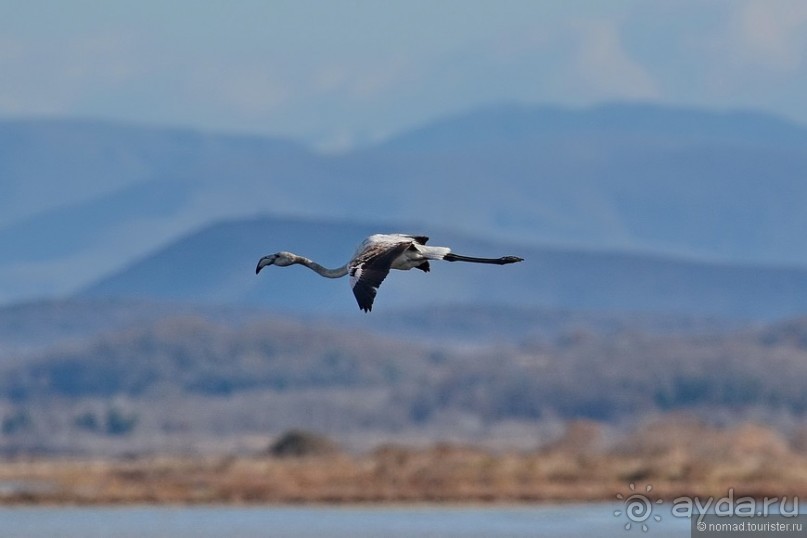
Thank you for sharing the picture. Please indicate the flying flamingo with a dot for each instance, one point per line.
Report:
(375, 257)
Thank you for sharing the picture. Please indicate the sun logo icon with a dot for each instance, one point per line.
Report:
(638, 508)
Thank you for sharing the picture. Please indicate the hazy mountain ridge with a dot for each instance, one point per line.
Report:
(91, 196)
(502, 124)
(53, 163)
(720, 186)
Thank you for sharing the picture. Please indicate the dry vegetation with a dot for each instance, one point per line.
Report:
(678, 457)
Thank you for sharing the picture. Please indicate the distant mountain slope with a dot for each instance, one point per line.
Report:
(46, 164)
(88, 197)
(503, 125)
(719, 186)
(67, 230)
(216, 264)
(92, 197)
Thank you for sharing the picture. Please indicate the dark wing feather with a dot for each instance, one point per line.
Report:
(370, 269)
(419, 239)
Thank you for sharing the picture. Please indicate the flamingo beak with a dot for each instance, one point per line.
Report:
(263, 262)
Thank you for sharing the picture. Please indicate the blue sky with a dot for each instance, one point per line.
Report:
(339, 73)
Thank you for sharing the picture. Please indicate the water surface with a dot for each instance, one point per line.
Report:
(584, 520)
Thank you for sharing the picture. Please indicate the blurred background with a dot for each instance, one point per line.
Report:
(648, 160)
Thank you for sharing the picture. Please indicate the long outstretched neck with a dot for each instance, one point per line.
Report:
(451, 257)
(324, 271)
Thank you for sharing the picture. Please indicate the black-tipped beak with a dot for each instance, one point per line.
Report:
(261, 264)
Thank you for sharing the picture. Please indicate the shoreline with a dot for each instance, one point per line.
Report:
(445, 479)
(672, 459)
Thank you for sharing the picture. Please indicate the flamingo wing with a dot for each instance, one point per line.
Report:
(369, 269)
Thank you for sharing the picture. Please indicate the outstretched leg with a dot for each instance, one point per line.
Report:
(451, 257)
